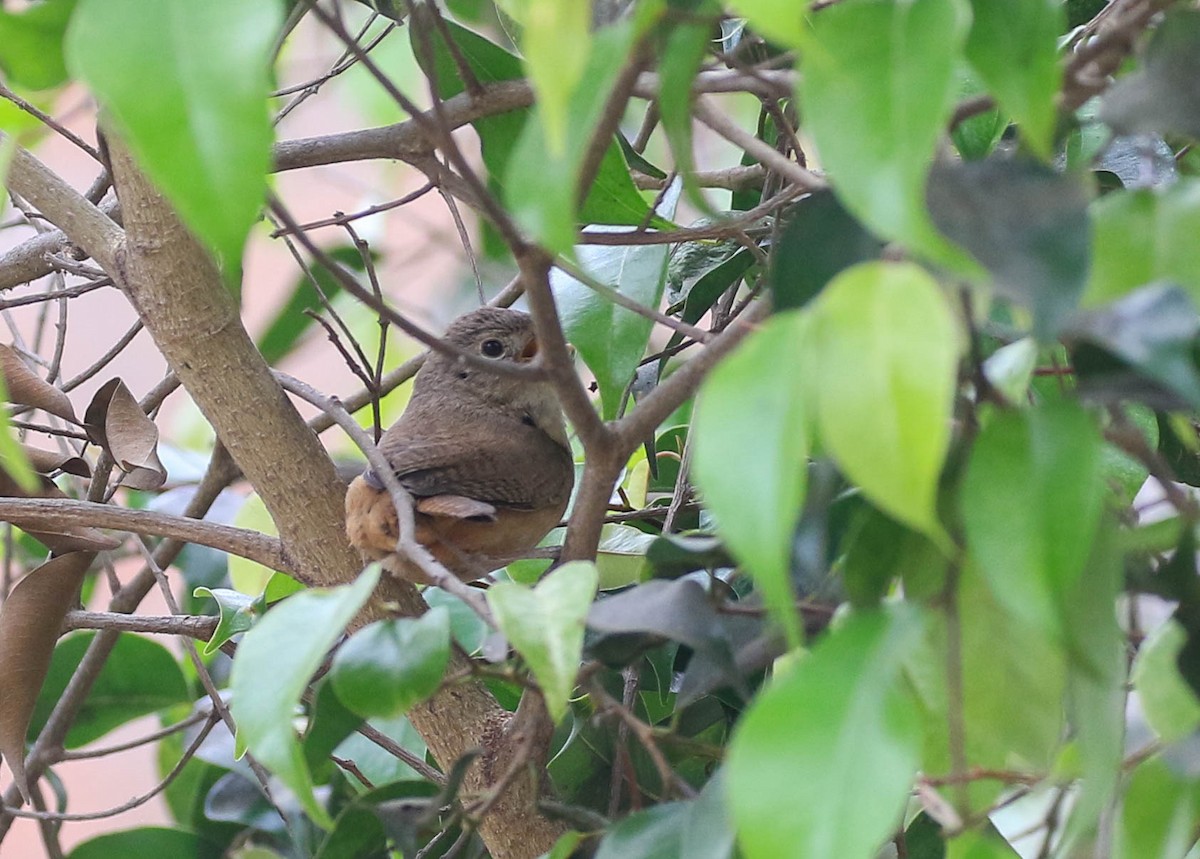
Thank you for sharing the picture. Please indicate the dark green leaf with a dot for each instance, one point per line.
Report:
(147, 841)
(1161, 96)
(391, 665)
(290, 323)
(656, 833)
(1026, 223)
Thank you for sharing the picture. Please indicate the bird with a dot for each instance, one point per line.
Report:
(485, 456)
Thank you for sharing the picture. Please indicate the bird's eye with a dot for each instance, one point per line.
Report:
(492, 348)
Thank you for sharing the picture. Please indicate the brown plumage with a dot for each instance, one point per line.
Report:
(485, 457)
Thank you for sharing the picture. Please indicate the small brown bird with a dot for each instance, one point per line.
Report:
(485, 457)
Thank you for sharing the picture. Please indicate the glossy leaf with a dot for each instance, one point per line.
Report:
(611, 339)
(877, 86)
(391, 665)
(275, 661)
(186, 83)
(842, 717)
(1014, 48)
(1031, 503)
(545, 625)
(752, 430)
(1027, 225)
(888, 348)
(1144, 236)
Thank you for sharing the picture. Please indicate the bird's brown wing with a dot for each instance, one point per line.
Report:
(522, 468)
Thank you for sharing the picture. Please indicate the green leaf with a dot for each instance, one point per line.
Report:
(621, 556)
(655, 833)
(752, 430)
(840, 725)
(147, 841)
(878, 84)
(13, 460)
(1159, 814)
(291, 322)
(391, 665)
(556, 41)
(1031, 504)
(378, 765)
(31, 44)
(274, 663)
(238, 612)
(683, 50)
(980, 845)
(139, 677)
(1143, 236)
(545, 624)
(1014, 47)
(1170, 705)
(888, 351)
(778, 20)
(611, 339)
(187, 85)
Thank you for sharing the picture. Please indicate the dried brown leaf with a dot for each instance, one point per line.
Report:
(26, 388)
(30, 622)
(46, 461)
(59, 539)
(116, 422)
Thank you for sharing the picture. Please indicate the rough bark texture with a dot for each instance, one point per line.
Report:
(194, 320)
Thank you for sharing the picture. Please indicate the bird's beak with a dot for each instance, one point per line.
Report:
(529, 352)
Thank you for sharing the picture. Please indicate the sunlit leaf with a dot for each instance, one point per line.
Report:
(31, 44)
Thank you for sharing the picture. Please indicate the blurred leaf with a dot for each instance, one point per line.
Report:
(877, 87)
(545, 625)
(274, 663)
(888, 348)
(1161, 96)
(673, 555)
(1171, 707)
(1010, 368)
(976, 136)
(610, 339)
(187, 85)
(1014, 47)
(656, 833)
(26, 388)
(1027, 225)
(15, 458)
(778, 20)
(980, 845)
(879, 549)
(246, 576)
(684, 48)
(1123, 473)
(116, 422)
(140, 677)
(30, 619)
(31, 44)
(819, 240)
(358, 832)
(468, 628)
(390, 665)
(330, 722)
(291, 322)
(1152, 330)
(1159, 814)
(147, 841)
(1031, 504)
(238, 612)
(556, 41)
(1144, 236)
(842, 717)
(751, 430)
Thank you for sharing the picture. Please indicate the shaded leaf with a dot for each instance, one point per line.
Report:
(1031, 503)
(545, 625)
(147, 841)
(275, 661)
(888, 350)
(621, 556)
(1010, 368)
(1159, 813)
(30, 619)
(238, 612)
(291, 322)
(187, 85)
(751, 429)
(116, 422)
(673, 555)
(47, 461)
(878, 83)
(26, 388)
(1014, 47)
(842, 717)
(1161, 95)
(656, 833)
(1171, 707)
(820, 240)
(390, 665)
(1027, 224)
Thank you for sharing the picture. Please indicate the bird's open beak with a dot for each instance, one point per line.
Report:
(529, 352)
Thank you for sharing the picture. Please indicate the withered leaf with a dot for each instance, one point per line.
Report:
(116, 422)
(30, 622)
(60, 539)
(26, 388)
(46, 461)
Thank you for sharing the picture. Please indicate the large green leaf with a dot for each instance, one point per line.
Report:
(1171, 707)
(750, 454)
(1031, 503)
(611, 339)
(139, 677)
(147, 841)
(1160, 812)
(291, 322)
(31, 44)
(888, 355)
(274, 663)
(683, 50)
(1143, 236)
(822, 763)
(1014, 48)
(556, 40)
(877, 87)
(545, 624)
(187, 83)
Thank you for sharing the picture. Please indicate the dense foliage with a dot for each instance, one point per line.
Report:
(883, 540)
